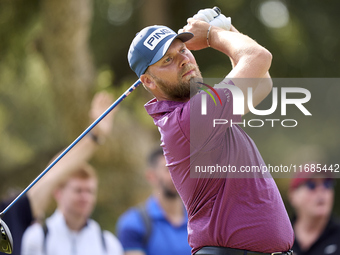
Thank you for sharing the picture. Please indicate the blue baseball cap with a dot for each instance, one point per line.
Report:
(150, 45)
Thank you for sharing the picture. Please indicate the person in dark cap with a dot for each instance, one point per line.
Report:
(317, 231)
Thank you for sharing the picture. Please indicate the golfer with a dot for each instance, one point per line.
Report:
(226, 215)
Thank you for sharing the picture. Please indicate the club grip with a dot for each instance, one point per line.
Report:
(217, 10)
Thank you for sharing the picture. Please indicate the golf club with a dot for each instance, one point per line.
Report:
(6, 242)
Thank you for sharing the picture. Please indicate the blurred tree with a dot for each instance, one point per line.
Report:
(17, 18)
(150, 17)
(66, 26)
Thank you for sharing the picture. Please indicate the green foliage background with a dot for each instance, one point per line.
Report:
(32, 129)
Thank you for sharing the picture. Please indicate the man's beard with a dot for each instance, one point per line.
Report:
(182, 90)
(169, 193)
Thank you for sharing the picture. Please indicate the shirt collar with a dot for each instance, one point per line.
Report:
(156, 109)
(59, 219)
(154, 208)
(156, 212)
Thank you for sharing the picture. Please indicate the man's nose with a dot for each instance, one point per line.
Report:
(184, 60)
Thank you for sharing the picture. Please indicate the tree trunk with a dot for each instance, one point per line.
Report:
(66, 27)
(155, 12)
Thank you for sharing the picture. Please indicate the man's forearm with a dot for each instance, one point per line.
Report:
(249, 59)
(251, 69)
(261, 86)
(41, 193)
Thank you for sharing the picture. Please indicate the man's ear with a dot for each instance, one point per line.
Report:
(150, 176)
(148, 81)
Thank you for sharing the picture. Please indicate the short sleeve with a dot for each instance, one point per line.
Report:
(114, 247)
(33, 240)
(130, 231)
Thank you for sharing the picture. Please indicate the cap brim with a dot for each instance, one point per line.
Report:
(185, 36)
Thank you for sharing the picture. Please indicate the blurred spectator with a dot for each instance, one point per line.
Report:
(33, 205)
(317, 231)
(159, 226)
(70, 231)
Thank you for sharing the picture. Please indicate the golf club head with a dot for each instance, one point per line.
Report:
(6, 241)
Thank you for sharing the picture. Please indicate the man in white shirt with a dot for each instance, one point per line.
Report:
(70, 231)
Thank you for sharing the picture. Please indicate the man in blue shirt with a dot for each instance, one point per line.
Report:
(160, 225)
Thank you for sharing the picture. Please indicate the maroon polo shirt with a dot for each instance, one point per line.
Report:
(243, 211)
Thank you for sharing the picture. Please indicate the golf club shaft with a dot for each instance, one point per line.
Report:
(123, 96)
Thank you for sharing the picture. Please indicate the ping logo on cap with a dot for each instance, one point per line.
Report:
(156, 37)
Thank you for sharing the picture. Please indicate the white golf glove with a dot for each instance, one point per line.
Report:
(206, 15)
(211, 16)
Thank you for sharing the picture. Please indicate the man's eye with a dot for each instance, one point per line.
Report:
(183, 50)
(167, 60)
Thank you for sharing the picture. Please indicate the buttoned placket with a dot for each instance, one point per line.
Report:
(73, 238)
